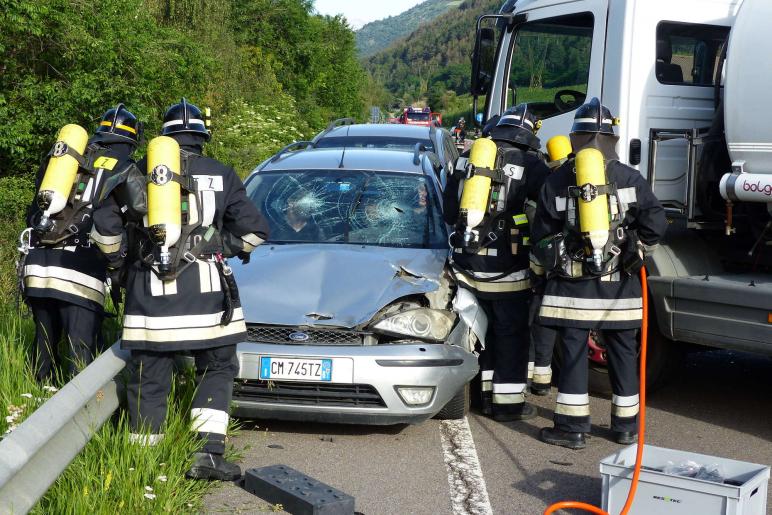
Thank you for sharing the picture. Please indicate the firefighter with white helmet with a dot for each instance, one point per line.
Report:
(180, 291)
(596, 219)
(486, 203)
(62, 276)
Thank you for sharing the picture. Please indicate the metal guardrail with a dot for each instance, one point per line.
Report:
(36, 453)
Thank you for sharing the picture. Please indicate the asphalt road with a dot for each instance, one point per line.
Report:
(720, 404)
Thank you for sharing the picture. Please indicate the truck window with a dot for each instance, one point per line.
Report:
(550, 64)
(687, 53)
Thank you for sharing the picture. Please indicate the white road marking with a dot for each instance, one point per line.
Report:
(468, 494)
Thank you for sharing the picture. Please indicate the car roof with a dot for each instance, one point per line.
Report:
(385, 160)
(379, 129)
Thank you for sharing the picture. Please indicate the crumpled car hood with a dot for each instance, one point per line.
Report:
(331, 284)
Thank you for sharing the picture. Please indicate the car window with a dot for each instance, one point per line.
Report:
(418, 117)
(359, 207)
(452, 150)
(389, 142)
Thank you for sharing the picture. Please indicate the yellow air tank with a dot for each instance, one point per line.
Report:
(474, 199)
(164, 207)
(593, 208)
(558, 148)
(61, 171)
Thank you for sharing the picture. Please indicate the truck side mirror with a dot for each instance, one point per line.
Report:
(483, 61)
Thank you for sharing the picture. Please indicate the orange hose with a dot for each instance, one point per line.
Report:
(574, 505)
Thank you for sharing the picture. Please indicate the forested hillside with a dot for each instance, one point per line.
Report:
(432, 60)
(271, 70)
(264, 66)
(380, 34)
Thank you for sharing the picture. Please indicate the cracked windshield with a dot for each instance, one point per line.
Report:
(367, 208)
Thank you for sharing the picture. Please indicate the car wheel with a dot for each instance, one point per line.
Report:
(457, 407)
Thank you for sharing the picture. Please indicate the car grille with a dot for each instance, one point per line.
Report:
(308, 394)
(274, 334)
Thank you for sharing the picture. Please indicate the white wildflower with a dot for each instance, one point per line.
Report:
(27, 395)
(51, 389)
(162, 479)
(131, 468)
(10, 418)
(150, 496)
(149, 488)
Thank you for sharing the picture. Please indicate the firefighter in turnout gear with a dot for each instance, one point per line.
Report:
(62, 276)
(543, 338)
(596, 220)
(490, 258)
(180, 292)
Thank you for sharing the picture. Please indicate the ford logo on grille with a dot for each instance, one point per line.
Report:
(298, 336)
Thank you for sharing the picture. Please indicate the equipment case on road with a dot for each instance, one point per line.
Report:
(667, 494)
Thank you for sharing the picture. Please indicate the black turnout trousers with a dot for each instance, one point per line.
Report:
(572, 412)
(543, 340)
(55, 318)
(506, 351)
(150, 382)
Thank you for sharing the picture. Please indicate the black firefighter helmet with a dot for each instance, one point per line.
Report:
(118, 125)
(594, 117)
(594, 127)
(184, 117)
(518, 126)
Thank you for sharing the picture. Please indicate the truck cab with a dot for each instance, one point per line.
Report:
(659, 66)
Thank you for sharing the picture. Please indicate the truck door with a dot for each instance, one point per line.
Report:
(555, 62)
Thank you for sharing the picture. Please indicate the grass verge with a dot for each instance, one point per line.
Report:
(110, 473)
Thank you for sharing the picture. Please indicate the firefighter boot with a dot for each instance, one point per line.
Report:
(625, 437)
(486, 405)
(554, 436)
(212, 467)
(527, 413)
(540, 389)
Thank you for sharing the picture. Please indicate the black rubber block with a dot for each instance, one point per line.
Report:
(296, 492)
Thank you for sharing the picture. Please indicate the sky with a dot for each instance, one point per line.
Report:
(360, 12)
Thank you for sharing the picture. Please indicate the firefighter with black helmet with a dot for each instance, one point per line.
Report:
(596, 219)
(62, 275)
(491, 251)
(180, 291)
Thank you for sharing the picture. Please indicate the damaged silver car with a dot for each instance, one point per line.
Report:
(352, 313)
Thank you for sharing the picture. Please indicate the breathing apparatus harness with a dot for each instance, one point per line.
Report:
(503, 180)
(567, 255)
(196, 241)
(70, 226)
(65, 226)
(505, 177)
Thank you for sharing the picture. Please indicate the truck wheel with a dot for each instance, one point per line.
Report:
(457, 407)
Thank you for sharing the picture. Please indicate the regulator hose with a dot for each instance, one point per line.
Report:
(575, 505)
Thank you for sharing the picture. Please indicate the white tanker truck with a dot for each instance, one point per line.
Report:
(692, 84)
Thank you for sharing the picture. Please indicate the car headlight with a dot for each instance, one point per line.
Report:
(429, 324)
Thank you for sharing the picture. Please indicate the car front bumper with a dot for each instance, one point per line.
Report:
(364, 392)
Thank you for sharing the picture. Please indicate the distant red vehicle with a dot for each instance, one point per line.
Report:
(419, 116)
